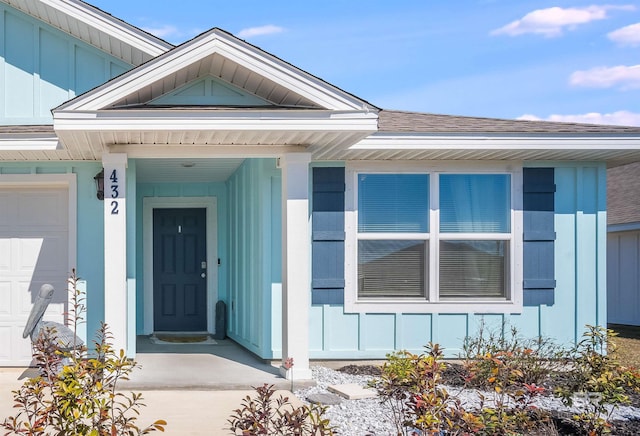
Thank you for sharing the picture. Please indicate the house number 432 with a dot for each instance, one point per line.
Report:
(115, 193)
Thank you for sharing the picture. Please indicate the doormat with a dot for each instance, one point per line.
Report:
(183, 339)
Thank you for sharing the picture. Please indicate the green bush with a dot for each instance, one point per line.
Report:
(595, 375)
(76, 394)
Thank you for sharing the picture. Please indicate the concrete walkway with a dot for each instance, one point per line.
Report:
(195, 388)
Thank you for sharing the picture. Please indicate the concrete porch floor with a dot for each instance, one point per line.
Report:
(195, 388)
(221, 366)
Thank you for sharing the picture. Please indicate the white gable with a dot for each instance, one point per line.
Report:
(220, 55)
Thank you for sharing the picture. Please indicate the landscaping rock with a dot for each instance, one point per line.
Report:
(324, 399)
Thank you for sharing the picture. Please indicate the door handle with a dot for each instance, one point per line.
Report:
(203, 275)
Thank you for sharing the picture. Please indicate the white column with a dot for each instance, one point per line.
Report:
(115, 247)
(296, 261)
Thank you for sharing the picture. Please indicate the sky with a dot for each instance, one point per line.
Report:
(558, 60)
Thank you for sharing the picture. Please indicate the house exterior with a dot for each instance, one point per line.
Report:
(623, 244)
(331, 228)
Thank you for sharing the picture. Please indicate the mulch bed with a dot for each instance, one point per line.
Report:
(454, 376)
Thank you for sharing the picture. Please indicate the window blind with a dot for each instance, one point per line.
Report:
(393, 203)
(391, 268)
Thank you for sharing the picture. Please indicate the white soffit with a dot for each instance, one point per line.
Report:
(614, 149)
(96, 27)
(222, 55)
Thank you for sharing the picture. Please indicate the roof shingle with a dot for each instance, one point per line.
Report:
(391, 121)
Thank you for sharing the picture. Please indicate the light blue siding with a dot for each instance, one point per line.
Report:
(210, 91)
(42, 67)
(414, 331)
(254, 256)
(378, 331)
(91, 244)
(580, 262)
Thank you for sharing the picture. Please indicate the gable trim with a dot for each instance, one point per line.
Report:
(226, 45)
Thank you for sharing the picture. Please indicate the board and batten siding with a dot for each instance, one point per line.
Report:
(579, 296)
(254, 257)
(42, 67)
(623, 277)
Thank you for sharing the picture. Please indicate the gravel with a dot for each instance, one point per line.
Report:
(369, 417)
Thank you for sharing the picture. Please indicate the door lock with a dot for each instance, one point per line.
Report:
(203, 265)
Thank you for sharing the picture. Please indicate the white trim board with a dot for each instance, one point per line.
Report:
(211, 206)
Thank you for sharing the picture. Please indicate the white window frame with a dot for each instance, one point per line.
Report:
(432, 304)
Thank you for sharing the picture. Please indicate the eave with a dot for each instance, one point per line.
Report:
(162, 133)
(615, 149)
(28, 142)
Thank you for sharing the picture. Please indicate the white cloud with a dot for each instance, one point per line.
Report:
(620, 118)
(628, 35)
(172, 33)
(623, 76)
(552, 22)
(269, 29)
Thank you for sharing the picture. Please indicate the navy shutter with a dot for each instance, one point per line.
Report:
(327, 234)
(539, 236)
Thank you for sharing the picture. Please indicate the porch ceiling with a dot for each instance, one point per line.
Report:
(185, 170)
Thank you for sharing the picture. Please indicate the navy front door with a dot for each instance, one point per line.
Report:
(179, 270)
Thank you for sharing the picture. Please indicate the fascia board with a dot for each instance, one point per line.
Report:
(28, 143)
(496, 142)
(106, 23)
(289, 76)
(199, 48)
(258, 121)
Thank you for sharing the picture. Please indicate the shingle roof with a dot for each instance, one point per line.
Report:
(404, 122)
(623, 194)
(44, 128)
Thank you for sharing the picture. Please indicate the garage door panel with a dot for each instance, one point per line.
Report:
(30, 289)
(6, 308)
(42, 209)
(5, 255)
(8, 209)
(18, 349)
(44, 254)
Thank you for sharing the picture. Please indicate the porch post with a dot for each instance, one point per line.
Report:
(115, 247)
(296, 258)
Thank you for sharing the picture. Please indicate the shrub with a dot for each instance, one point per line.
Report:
(530, 360)
(411, 385)
(74, 394)
(266, 415)
(596, 376)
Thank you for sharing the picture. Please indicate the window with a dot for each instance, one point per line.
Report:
(440, 237)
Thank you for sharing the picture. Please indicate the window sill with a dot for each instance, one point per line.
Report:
(422, 306)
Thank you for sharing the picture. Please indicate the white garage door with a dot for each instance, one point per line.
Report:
(623, 277)
(34, 229)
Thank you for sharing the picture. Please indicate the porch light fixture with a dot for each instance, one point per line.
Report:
(99, 178)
